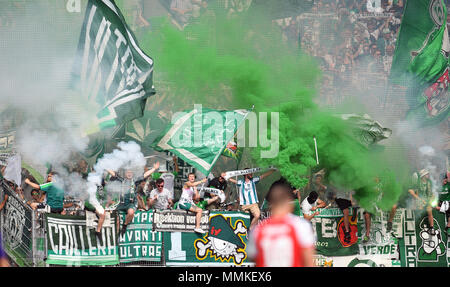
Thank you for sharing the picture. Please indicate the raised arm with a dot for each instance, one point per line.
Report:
(267, 173)
(194, 184)
(233, 180)
(175, 162)
(32, 184)
(150, 171)
(111, 172)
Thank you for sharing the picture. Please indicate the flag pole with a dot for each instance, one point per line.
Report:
(317, 155)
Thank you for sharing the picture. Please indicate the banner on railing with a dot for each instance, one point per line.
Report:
(17, 229)
(71, 242)
(178, 220)
(421, 248)
(224, 244)
(140, 242)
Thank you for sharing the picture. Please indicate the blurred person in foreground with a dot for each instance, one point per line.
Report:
(3, 258)
(283, 239)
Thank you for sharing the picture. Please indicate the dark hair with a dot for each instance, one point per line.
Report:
(34, 191)
(285, 189)
(159, 181)
(312, 197)
(193, 173)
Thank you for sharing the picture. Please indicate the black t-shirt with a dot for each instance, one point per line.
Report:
(215, 183)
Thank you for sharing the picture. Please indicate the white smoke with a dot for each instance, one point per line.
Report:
(430, 162)
(128, 156)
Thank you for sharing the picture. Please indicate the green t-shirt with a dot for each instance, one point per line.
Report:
(55, 196)
(424, 189)
(202, 204)
(445, 193)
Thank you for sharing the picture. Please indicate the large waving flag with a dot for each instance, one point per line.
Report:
(111, 71)
(200, 136)
(421, 60)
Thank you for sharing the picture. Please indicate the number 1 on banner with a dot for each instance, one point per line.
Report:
(176, 252)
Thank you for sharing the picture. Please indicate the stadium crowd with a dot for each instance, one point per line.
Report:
(347, 38)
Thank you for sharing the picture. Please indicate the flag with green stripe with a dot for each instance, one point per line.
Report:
(200, 136)
(111, 71)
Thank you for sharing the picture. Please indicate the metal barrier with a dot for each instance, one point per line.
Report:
(23, 237)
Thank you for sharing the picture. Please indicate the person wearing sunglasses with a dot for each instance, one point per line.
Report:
(160, 197)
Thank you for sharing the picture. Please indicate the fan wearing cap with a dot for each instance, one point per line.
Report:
(283, 239)
(311, 204)
(421, 190)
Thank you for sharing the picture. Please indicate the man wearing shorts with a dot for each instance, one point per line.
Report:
(344, 202)
(187, 198)
(248, 197)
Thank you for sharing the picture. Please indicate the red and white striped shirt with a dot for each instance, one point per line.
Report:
(279, 242)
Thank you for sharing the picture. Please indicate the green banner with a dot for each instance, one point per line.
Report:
(71, 242)
(418, 248)
(16, 229)
(223, 245)
(199, 136)
(329, 229)
(140, 242)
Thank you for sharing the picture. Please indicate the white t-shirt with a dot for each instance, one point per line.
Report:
(163, 198)
(169, 180)
(187, 196)
(306, 206)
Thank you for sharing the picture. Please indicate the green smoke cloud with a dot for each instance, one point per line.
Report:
(238, 63)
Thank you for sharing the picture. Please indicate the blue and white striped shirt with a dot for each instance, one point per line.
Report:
(247, 191)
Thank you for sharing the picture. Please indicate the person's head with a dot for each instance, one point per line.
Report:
(248, 176)
(51, 175)
(377, 54)
(280, 197)
(445, 179)
(128, 174)
(160, 184)
(366, 49)
(390, 50)
(191, 177)
(35, 194)
(222, 177)
(373, 48)
(318, 178)
(424, 174)
(312, 197)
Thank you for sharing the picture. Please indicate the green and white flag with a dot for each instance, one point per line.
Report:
(199, 136)
(111, 71)
(421, 60)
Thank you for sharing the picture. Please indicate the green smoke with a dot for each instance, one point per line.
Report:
(238, 63)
